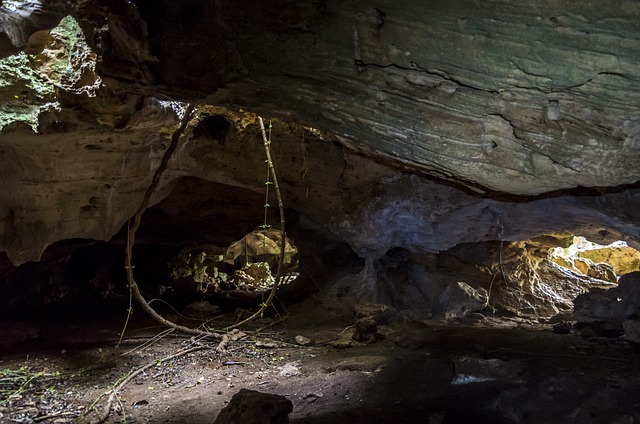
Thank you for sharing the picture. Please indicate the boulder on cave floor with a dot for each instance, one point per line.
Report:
(475, 370)
(252, 407)
(458, 300)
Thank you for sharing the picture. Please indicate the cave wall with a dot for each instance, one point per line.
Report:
(397, 125)
(49, 194)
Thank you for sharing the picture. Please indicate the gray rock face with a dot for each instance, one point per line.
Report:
(521, 98)
(422, 123)
(20, 20)
(460, 299)
(537, 287)
(614, 305)
(419, 216)
(251, 407)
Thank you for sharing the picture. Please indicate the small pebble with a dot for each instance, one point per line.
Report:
(302, 340)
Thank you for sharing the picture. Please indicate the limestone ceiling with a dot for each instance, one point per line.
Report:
(522, 98)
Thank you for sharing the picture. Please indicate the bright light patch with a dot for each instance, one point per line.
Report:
(593, 259)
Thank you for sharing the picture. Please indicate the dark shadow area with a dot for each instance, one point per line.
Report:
(80, 277)
(215, 127)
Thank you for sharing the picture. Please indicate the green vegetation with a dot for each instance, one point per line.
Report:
(14, 383)
(27, 82)
(23, 89)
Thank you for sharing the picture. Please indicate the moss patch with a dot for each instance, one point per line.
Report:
(27, 82)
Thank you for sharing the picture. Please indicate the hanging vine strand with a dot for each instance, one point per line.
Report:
(265, 225)
(283, 236)
(133, 227)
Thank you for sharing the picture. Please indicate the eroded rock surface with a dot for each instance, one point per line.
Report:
(613, 305)
(401, 127)
(519, 98)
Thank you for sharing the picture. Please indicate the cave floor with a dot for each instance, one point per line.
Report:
(477, 371)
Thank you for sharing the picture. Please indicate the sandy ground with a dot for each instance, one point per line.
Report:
(476, 371)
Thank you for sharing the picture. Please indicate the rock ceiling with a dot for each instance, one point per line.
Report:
(418, 125)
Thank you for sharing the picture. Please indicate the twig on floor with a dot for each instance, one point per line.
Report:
(120, 385)
(54, 415)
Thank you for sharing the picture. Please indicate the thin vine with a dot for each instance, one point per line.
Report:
(283, 236)
(265, 225)
(232, 333)
(135, 224)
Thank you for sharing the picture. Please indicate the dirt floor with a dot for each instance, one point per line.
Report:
(478, 370)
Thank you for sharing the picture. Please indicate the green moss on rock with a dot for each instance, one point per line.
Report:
(23, 90)
(27, 82)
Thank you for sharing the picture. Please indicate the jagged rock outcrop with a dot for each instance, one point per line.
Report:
(21, 20)
(530, 284)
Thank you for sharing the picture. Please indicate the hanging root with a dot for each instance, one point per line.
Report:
(232, 333)
(133, 227)
(283, 235)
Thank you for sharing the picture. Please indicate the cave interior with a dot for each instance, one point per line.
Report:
(457, 181)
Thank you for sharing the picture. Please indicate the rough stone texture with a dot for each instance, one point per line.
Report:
(517, 97)
(603, 262)
(519, 277)
(460, 299)
(614, 305)
(19, 21)
(623, 259)
(602, 271)
(251, 407)
(420, 216)
(85, 185)
(533, 285)
(94, 197)
(420, 127)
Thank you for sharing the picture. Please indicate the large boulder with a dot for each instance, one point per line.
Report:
(252, 407)
(460, 299)
(613, 305)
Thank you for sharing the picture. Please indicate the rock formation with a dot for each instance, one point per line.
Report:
(413, 127)
(251, 407)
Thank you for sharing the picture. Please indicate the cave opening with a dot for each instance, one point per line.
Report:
(204, 242)
(607, 262)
